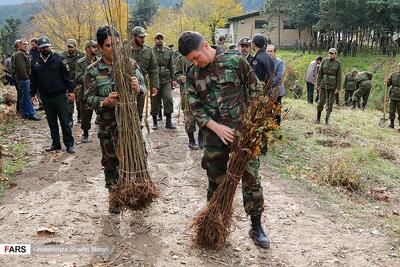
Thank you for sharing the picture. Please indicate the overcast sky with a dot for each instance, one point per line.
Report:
(12, 2)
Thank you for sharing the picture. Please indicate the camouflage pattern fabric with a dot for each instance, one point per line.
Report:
(349, 86)
(219, 92)
(394, 94)
(363, 87)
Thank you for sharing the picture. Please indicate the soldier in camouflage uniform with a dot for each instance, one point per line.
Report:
(221, 43)
(245, 48)
(71, 56)
(349, 86)
(363, 87)
(100, 95)
(394, 82)
(328, 84)
(181, 66)
(145, 58)
(81, 65)
(218, 84)
(165, 62)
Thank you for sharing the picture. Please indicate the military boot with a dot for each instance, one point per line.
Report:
(353, 105)
(192, 142)
(318, 120)
(327, 118)
(200, 138)
(155, 124)
(168, 123)
(391, 123)
(85, 136)
(257, 233)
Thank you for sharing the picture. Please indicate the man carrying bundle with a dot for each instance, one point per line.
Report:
(218, 84)
(101, 96)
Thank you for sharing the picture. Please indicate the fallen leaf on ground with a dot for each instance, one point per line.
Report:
(158, 146)
(57, 156)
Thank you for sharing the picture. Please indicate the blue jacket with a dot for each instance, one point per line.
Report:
(279, 68)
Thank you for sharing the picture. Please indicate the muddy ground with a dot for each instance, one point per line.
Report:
(60, 202)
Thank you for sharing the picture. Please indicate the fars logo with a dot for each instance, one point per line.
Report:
(15, 249)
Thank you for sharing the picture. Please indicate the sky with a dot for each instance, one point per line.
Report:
(12, 2)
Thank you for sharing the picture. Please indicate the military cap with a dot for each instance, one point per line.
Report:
(43, 42)
(333, 50)
(159, 34)
(354, 69)
(259, 40)
(245, 40)
(71, 42)
(139, 31)
(90, 43)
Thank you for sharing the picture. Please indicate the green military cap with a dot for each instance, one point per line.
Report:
(354, 69)
(43, 42)
(159, 34)
(139, 31)
(71, 42)
(245, 40)
(333, 50)
(90, 43)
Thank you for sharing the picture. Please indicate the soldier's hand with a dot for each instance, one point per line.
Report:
(110, 100)
(182, 79)
(226, 134)
(35, 100)
(336, 91)
(319, 88)
(71, 96)
(135, 85)
(174, 84)
(154, 91)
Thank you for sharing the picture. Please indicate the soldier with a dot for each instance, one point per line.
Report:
(71, 56)
(217, 82)
(165, 62)
(328, 84)
(81, 65)
(349, 86)
(245, 48)
(354, 47)
(363, 86)
(262, 63)
(51, 76)
(394, 94)
(101, 96)
(296, 45)
(145, 58)
(17, 45)
(221, 43)
(304, 46)
(310, 45)
(181, 66)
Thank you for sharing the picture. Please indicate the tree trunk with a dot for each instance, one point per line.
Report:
(279, 32)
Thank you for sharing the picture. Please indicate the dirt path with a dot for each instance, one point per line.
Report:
(67, 195)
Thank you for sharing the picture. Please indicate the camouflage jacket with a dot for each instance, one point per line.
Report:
(71, 61)
(349, 82)
(147, 61)
(181, 67)
(80, 68)
(165, 62)
(330, 74)
(394, 82)
(363, 80)
(98, 84)
(219, 90)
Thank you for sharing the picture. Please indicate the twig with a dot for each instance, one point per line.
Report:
(119, 254)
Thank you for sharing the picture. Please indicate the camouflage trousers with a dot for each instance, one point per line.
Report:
(109, 160)
(348, 94)
(361, 93)
(326, 96)
(393, 107)
(214, 161)
(164, 94)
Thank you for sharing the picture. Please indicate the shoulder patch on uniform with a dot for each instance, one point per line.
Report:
(65, 63)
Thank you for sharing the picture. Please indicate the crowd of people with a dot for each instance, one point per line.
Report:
(213, 80)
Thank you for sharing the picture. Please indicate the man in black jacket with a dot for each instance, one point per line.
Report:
(262, 63)
(50, 74)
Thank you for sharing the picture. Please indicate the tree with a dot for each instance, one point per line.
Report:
(303, 14)
(143, 12)
(61, 20)
(275, 9)
(8, 34)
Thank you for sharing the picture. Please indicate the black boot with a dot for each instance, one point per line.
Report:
(168, 123)
(192, 142)
(353, 105)
(85, 136)
(318, 120)
(391, 123)
(257, 233)
(327, 118)
(155, 124)
(200, 138)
